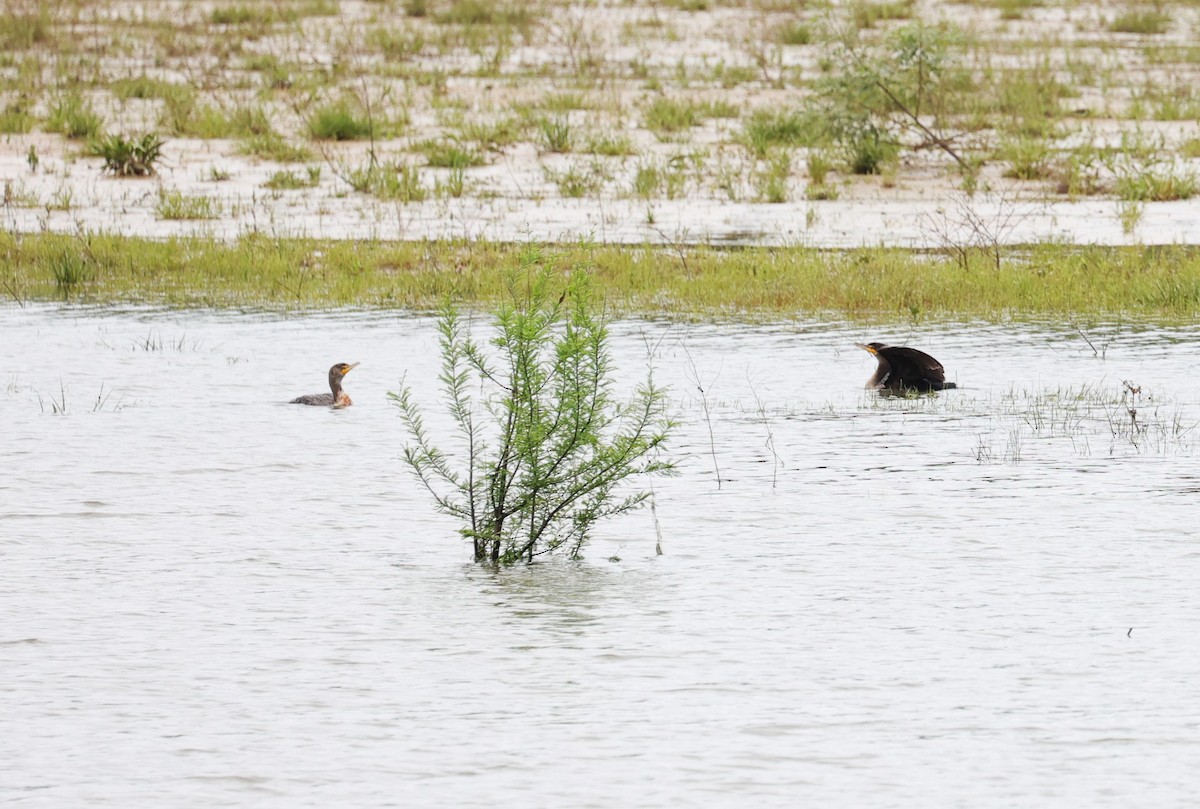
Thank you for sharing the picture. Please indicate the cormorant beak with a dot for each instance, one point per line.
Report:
(351, 367)
(866, 348)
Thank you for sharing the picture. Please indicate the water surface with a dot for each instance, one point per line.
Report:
(982, 598)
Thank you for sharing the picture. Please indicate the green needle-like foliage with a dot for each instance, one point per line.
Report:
(545, 445)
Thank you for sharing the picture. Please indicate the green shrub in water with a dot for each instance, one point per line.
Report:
(544, 443)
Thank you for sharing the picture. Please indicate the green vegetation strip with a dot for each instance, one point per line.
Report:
(296, 274)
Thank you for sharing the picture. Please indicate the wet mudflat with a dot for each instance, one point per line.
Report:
(210, 596)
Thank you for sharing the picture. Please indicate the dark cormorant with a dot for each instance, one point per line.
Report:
(338, 397)
(903, 369)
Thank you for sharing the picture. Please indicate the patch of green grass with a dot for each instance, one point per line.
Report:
(669, 116)
(273, 146)
(556, 133)
(577, 180)
(766, 130)
(866, 14)
(292, 180)
(1028, 101)
(143, 87)
(127, 156)
(611, 146)
(1149, 20)
(818, 192)
(494, 136)
(69, 268)
(819, 164)
(1078, 172)
(473, 13)
(450, 154)
(176, 205)
(654, 179)
(1028, 158)
(869, 151)
(1049, 280)
(391, 181)
(562, 103)
(16, 195)
(771, 181)
(73, 117)
(729, 76)
(21, 29)
(341, 120)
(1165, 101)
(276, 75)
(258, 14)
(16, 117)
(397, 44)
(1145, 183)
(1016, 9)
(794, 33)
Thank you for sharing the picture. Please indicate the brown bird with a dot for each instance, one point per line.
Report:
(337, 397)
(903, 369)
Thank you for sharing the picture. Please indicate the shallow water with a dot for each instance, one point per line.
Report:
(210, 597)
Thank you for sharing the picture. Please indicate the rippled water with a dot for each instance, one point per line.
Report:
(987, 597)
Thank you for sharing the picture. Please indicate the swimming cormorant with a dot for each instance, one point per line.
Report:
(903, 369)
(338, 397)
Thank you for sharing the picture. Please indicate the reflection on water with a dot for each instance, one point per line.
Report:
(981, 597)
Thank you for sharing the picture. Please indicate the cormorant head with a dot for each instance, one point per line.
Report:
(340, 370)
(874, 348)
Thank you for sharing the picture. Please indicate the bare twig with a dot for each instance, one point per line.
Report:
(694, 376)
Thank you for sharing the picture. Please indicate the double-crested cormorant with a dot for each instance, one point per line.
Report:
(903, 369)
(338, 397)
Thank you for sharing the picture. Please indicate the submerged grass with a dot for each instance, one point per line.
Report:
(257, 271)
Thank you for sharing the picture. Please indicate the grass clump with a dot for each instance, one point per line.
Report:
(668, 116)
(866, 14)
(175, 205)
(127, 156)
(1016, 9)
(259, 14)
(1151, 20)
(450, 155)
(1155, 184)
(771, 182)
(143, 87)
(766, 130)
(340, 121)
(556, 133)
(611, 146)
(346, 119)
(392, 181)
(273, 146)
(74, 118)
(661, 178)
(397, 44)
(543, 444)
(487, 13)
(494, 136)
(292, 181)
(70, 269)
(1028, 158)
(16, 118)
(21, 29)
(794, 33)
(576, 180)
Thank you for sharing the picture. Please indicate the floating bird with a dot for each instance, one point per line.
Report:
(338, 397)
(903, 369)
